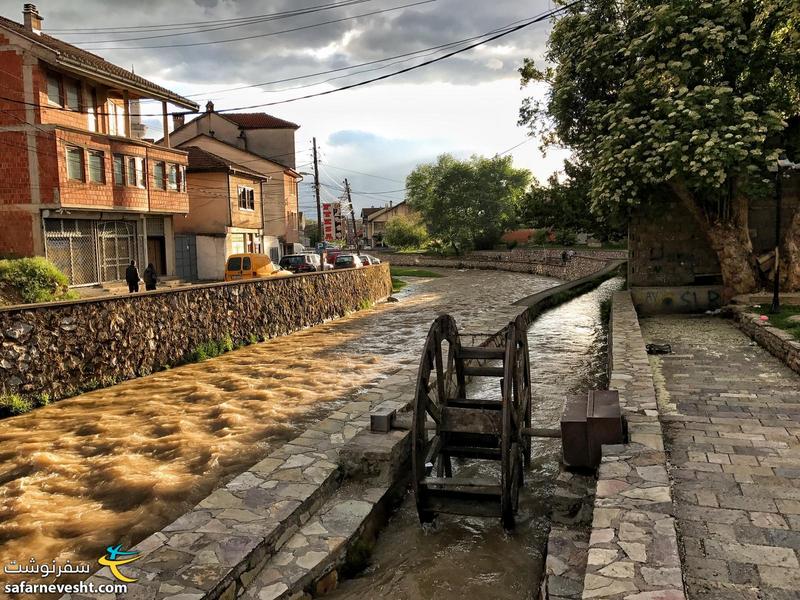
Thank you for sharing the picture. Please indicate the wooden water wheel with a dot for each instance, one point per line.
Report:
(447, 424)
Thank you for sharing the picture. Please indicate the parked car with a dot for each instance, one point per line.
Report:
(347, 261)
(301, 263)
(372, 259)
(252, 266)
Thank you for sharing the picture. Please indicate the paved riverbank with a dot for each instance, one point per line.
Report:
(731, 415)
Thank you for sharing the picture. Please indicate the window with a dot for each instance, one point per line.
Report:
(97, 166)
(71, 94)
(172, 180)
(112, 118)
(247, 199)
(119, 169)
(54, 89)
(91, 109)
(181, 178)
(75, 163)
(136, 177)
(246, 263)
(158, 175)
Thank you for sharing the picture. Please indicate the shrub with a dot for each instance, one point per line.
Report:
(34, 280)
(566, 238)
(14, 404)
(405, 232)
(512, 244)
(540, 237)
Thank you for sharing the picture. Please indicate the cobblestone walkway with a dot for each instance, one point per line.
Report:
(731, 417)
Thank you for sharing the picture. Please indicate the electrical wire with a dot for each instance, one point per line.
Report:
(263, 35)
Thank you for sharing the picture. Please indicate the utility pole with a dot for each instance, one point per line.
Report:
(316, 192)
(353, 215)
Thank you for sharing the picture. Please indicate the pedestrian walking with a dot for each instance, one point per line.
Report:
(150, 277)
(564, 257)
(132, 277)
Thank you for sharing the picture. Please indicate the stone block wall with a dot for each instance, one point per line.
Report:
(777, 342)
(580, 266)
(59, 348)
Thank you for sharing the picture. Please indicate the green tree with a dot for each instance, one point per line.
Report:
(692, 96)
(566, 205)
(312, 232)
(405, 232)
(467, 204)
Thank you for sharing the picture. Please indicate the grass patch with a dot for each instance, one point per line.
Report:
(781, 319)
(398, 284)
(211, 349)
(14, 404)
(412, 272)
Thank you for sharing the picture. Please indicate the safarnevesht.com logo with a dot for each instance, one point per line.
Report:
(114, 558)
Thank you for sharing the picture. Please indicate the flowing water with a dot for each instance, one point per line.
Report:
(115, 465)
(474, 558)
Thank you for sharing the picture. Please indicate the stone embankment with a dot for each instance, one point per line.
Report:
(60, 348)
(537, 262)
(288, 526)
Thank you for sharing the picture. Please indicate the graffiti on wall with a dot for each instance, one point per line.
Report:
(676, 299)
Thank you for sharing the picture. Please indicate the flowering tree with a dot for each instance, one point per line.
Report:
(697, 96)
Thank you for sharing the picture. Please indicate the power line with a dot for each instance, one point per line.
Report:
(262, 35)
(206, 25)
(362, 173)
(355, 66)
(357, 84)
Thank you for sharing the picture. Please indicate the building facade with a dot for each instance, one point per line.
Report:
(225, 212)
(374, 221)
(79, 186)
(261, 136)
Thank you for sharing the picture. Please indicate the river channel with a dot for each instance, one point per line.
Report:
(115, 465)
(471, 558)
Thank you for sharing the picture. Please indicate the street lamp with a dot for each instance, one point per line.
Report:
(784, 164)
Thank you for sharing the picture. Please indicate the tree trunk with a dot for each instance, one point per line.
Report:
(790, 256)
(729, 239)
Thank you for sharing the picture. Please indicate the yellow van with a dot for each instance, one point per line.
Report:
(252, 266)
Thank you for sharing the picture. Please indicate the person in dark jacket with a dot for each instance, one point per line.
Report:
(132, 277)
(150, 277)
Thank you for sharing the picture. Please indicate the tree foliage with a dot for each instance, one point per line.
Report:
(686, 94)
(405, 231)
(467, 203)
(566, 206)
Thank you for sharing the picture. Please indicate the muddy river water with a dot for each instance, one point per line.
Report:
(466, 558)
(115, 465)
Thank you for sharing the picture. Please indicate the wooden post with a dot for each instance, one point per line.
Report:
(166, 123)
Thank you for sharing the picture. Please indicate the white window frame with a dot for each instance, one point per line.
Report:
(249, 197)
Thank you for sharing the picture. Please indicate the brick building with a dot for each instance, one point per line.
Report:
(264, 136)
(78, 185)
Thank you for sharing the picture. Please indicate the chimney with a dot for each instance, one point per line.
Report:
(209, 106)
(177, 121)
(32, 19)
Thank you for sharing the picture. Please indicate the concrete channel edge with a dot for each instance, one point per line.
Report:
(291, 522)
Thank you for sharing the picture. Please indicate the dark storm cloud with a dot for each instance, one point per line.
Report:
(299, 52)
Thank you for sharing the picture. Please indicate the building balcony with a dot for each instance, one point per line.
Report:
(85, 170)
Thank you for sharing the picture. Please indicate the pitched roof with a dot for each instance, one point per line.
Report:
(383, 210)
(188, 143)
(73, 57)
(259, 121)
(366, 212)
(203, 160)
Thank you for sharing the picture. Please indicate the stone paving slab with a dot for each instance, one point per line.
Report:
(734, 447)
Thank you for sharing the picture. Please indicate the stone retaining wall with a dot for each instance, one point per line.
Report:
(578, 267)
(63, 348)
(778, 342)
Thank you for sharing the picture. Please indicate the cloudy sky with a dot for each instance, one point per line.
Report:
(464, 105)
